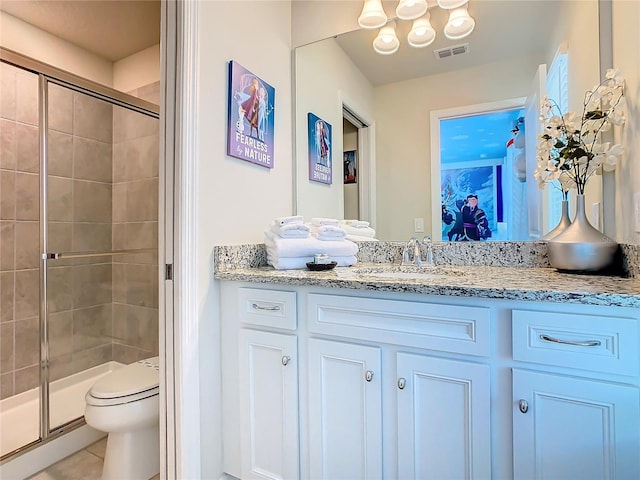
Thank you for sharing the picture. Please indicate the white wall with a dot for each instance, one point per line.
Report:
(28, 40)
(137, 70)
(626, 45)
(325, 78)
(236, 200)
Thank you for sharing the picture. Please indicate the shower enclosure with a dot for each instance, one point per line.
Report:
(78, 243)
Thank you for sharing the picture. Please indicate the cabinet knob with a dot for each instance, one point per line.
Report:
(285, 360)
(402, 383)
(523, 405)
(368, 376)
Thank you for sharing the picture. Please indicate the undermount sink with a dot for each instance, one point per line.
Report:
(407, 272)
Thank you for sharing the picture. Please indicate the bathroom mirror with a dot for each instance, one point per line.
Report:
(393, 96)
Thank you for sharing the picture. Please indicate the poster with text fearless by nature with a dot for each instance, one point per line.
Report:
(251, 105)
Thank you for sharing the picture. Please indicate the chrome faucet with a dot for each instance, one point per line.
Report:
(415, 244)
(427, 241)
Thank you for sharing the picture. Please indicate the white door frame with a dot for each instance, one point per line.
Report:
(436, 117)
(179, 347)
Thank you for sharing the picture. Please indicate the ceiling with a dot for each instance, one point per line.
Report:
(110, 29)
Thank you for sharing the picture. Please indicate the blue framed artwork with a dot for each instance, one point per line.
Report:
(251, 108)
(319, 133)
(350, 172)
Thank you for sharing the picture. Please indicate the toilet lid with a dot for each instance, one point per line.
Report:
(129, 380)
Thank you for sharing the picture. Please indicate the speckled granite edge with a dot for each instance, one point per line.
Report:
(490, 254)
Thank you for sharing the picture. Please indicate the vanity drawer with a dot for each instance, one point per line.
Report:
(588, 342)
(448, 328)
(268, 308)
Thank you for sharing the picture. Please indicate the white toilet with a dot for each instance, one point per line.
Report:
(125, 404)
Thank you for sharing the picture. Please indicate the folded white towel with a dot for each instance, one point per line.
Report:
(301, 262)
(319, 221)
(357, 223)
(306, 247)
(288, 220)
(328, 232)
(360, 231)
(290, 230)
(360, 238)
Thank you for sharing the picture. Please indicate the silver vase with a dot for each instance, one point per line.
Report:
(562, 225)
(581, 247)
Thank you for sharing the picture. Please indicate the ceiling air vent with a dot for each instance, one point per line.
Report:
(451, 51)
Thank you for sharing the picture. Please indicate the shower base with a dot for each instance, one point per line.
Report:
(20, 417)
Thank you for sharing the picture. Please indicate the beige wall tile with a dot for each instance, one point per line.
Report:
(119, 236)
(142, 201)
(60, 367)
(7, 91)
(92, 160)
(7, 284)
(6, 385)
(28, 195)
(27, 245)
(60, 154)
(26, 379)
(59, 239)
(142, 157)
(119, 313)
(27, 342)
(142, 328)
(119, 283)
(92, 237)
(60, 114)
(8, 149)
(126, 354)
(59, 285)
(150, 93)
(27, 288)
(7, 352)
(141, 285)
(7, 245)
(27, 98)
(92, 357)
(92, 118)
(144, 126)
(60, 199)
(92, 327)
(91, 285)
(120, 202)
(28, 148)
(60, 334)
(142, 235)
(91, 201)
(119, 159)
(7, 194)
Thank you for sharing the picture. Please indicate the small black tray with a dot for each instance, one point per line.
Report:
(320, 267)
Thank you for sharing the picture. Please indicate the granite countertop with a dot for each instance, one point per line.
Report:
(513, 283)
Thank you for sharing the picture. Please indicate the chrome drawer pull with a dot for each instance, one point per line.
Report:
(285, 360)
(590, 343)
(368, 375)
(270, 308)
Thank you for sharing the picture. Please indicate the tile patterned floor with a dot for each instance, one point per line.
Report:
(83, 465)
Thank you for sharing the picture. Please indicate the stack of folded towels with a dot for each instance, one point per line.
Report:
(291, 243)
(358, 231)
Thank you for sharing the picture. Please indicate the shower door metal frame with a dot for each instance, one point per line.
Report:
(49, 74)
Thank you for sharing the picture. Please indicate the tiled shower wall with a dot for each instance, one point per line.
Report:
(19, 231)
(103, 185)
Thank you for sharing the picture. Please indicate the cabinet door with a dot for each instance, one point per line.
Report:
(444, 428)
(572, 428)
(268, 405)
(345, 411)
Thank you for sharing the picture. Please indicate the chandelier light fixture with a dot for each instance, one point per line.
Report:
(422, 34)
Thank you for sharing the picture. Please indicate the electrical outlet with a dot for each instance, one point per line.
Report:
(636, 211)
(595, 212)
(418, 224)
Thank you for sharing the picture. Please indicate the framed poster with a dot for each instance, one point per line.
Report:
(319, 133)
(350, 175)
(250, 129)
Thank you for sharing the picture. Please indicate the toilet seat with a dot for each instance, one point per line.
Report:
(131, 383)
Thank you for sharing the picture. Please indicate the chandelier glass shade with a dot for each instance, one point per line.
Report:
(387, 43)
(422, 33)
(373, 15)
(411, 9)
(449, 4)
(460, 24)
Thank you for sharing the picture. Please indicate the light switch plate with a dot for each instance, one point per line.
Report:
(418, 224)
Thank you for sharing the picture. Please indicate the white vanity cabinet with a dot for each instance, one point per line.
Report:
(569, 427)
(326, 383)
